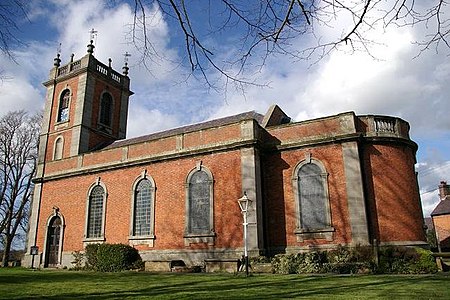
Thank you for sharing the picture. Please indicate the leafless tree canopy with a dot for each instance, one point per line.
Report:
(18, 153)
(10, 12)
(258, 29)
(271, 27)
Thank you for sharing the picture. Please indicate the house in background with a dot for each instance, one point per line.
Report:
(441, 217)
(317, 184)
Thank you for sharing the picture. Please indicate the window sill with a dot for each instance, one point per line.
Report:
(61, 124)
(96, 240)
(313, 234)
(141, 240)
(104, 128)
(207, 238)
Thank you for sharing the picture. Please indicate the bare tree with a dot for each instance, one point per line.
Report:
(268, 28)
(10, 12)
(259, 29)
(18, 153)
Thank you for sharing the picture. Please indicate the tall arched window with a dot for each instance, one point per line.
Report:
(63, 110)
(199, 206)
(106, 109)
(95, 212)
(143, 208)
(310, 185)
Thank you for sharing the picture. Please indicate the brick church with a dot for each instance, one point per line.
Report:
(315, 184)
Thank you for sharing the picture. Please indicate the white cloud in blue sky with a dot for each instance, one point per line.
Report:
(395, 83)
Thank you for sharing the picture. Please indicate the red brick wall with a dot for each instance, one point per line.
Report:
(213, 135)
(70, 196)
(281, 213)
(97, 138)
(328, 126)
(152, 147)
(392, 192)
(442, 227)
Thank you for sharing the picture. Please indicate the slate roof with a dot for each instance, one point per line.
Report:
(443, 208)
(189, 128)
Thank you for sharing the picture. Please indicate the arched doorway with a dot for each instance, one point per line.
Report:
(53, 242)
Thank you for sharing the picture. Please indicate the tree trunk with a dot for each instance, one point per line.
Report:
(7, 250)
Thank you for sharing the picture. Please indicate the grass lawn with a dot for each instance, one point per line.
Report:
(17, 283)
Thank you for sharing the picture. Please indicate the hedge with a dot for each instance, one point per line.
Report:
(359, 259)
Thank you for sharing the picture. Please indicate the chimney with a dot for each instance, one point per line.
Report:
(444, 190)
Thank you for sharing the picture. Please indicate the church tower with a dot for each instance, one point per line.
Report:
(85, 110)
(86, 107)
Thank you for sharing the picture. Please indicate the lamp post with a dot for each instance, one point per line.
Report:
(243, 205)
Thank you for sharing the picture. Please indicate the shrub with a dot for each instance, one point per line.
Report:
(310, 262)
(406, 260)
(78, 260)
(117, 257)
(359, 259)
(425, 264)
(91, 256)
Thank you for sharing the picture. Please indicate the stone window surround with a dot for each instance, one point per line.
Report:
(147, 239)
(101, 238)
(106, 127)
(190, 238)
(57, 122)
(56, 155)
(320, 233)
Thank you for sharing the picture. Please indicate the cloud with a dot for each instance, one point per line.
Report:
(394, 83)
(430, 175)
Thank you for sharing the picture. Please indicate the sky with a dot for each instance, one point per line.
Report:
(396, 79)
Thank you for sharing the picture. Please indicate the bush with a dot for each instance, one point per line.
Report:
(91, 256)
(406, 260)
(426, 263)
(116, 257)
(300, 263)
(357, 260)
(112, 257)
(78, 260)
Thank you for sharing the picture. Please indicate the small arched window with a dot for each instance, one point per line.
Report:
(59, 148)
(143, 208)
(63, 111)
(106, 109)
(95, 212)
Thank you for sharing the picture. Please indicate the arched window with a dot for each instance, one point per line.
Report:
(310, 185)
(199, 206)
(143, 208)
(106, 109)
(59, 148)
(95, 212)
(63, 110)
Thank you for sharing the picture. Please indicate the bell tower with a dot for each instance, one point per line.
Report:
(86, 107)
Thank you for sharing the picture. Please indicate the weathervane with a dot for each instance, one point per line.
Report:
(93, 35)
(125, 57)
(57, 59)
(125, 67)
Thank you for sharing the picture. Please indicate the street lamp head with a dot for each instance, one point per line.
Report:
(244, 202)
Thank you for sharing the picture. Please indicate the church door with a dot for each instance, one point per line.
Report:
(53, 242)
